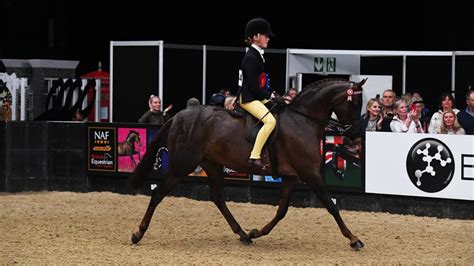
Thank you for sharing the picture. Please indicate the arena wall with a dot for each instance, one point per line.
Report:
(38, 156)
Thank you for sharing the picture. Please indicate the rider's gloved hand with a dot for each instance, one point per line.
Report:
(277, 98)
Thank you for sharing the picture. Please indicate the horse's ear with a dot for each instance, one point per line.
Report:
(362, 82)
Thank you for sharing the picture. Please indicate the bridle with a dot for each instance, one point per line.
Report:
(333, 124)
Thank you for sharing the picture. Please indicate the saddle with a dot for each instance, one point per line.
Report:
(252, 127)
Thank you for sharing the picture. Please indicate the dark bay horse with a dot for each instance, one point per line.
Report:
(212, 137)
(127, 147)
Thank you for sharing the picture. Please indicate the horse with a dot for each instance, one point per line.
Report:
(212, 137)
(127, 147)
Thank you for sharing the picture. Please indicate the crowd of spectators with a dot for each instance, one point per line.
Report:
(408, 114)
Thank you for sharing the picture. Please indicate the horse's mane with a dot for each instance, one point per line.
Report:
(318, 85)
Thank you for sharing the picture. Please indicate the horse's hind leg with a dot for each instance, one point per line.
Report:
(316, 184)
(216, 183)
(287, 188)
(157, 196)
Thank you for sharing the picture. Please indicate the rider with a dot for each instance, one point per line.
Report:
(253, 80)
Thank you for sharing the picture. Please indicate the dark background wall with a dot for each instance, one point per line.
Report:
(83, 30)
(135, 79)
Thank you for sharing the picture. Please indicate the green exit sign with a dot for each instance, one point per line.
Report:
(324, 64)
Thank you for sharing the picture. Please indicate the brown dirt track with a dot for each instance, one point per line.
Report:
(95, 228)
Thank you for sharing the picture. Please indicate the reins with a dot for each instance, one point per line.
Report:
(332, 124)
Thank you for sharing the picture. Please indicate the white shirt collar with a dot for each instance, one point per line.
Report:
(260, 50)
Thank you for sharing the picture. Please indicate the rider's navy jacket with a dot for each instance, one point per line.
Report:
(254, 77)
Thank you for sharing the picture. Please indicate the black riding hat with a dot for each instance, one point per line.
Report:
(258, 26)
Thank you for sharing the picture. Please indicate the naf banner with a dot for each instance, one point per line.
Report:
(424, 165)
(101, 149)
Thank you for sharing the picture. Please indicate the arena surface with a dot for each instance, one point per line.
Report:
(95, 228)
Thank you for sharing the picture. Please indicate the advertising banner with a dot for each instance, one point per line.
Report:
(424, 165)
(234, 175)
(101, 149)
(131, 147)
(342, 164)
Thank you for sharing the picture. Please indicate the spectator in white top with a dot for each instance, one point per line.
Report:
(446, 103)
(403, 121)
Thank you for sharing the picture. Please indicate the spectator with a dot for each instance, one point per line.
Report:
(192, 102)
(403, 121)
(372, 119)
(388, 100)
(154, 114)
(406, 97)
(416, 96)
(450, 124)
(226, 92)
(466, 116)
(229, 102)
(6, 110)
(290, 95)
(217, 99)
(446, 103)
(418, 105)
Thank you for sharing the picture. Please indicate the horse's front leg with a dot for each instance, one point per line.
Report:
(216, 180)
(133, 160)
(287, 188)
(315, 182)
(157, 196)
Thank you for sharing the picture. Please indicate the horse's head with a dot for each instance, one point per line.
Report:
(343, 97)
(347, 104)
(134, 136)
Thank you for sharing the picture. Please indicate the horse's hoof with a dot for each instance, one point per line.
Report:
(246, 240)
(253, 233)
(135, 238)
(358, 245)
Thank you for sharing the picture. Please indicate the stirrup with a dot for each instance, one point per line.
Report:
(258, 163)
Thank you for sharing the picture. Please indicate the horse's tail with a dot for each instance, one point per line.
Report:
(146, 164)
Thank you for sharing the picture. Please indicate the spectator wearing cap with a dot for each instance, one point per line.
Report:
(416, 96)
(418, 105)
(217, 99)
(466, 116)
